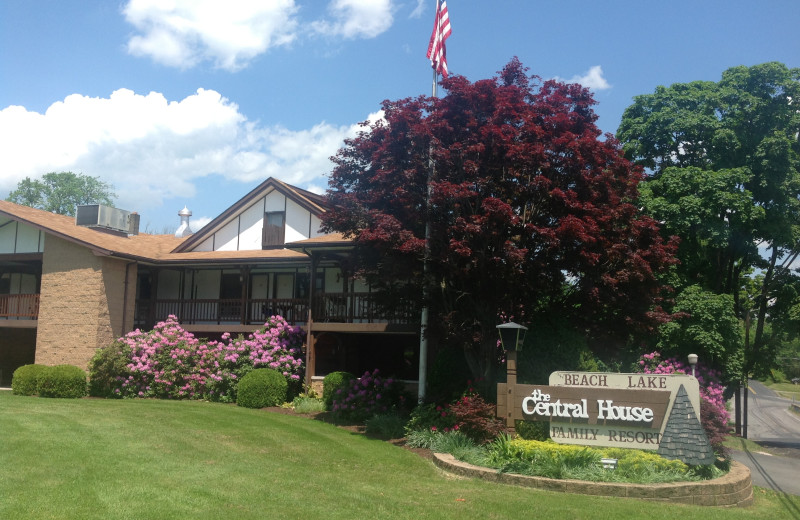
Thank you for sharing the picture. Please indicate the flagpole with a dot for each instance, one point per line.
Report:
(437, 55)
(423, 329)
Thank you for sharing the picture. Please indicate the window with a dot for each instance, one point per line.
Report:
(273, 229)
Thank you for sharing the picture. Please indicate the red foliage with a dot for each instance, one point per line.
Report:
(530, 208)
(476, 418)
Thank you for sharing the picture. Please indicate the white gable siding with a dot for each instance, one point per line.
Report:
(206, 245)
(244, 231)
(297, 222)
(316, 223)
(275, 202)
(251, 224)
(227, 238)
(16, 237)
(28, 239)
(8, 237)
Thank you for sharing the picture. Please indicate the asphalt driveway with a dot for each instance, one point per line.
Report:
(772, 425)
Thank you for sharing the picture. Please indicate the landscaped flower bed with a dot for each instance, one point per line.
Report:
(169, 362)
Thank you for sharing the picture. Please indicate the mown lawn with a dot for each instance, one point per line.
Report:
(148, 459)
(787, 390)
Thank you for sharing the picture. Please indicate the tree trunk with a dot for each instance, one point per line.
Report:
(758, 341)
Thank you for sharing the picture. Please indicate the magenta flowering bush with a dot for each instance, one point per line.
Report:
(169, 362)
(369, 395)
(714, 415)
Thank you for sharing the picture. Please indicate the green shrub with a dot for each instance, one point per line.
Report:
(107, 368)
(369, 395)
(777, 376)
(333, 382)
(66, 381)
(25, 380)
(307, 404)
(470, 414)
(421, 438)
(548, 459)
(386, 426)
(260, 388)
(533, 430)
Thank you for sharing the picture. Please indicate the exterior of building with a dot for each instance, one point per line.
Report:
(71, 285)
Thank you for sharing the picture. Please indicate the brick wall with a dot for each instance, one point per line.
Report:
(81, 307)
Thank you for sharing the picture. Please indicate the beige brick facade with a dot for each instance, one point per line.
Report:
(82, 306)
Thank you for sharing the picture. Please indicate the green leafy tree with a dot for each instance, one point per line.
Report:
(62, 192)
(705, 324)
(725, 165)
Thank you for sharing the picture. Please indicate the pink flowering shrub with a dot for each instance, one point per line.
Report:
(713, 414)
(169, 362)
(367, 396)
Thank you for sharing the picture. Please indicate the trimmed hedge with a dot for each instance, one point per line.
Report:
(66, 381)
(25, 380)
(260, 388)
(333, 382)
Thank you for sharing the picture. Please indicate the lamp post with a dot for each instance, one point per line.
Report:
(512, 337)
(693, 362)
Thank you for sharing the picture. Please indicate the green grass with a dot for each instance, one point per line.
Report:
(741, 444)
(148, 459)
(787, 390)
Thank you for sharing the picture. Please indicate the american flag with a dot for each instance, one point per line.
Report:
(441, 31)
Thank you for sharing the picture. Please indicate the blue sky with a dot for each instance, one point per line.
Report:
(195, 102)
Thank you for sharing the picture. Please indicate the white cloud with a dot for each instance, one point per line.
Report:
(152, 149)
(418, 10)
(185, 33)
(593, 79)
(182, 33)
(356, 19)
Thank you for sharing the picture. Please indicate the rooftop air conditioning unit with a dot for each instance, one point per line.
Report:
(105, 218)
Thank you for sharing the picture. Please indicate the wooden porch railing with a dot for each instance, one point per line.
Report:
(359, 307)
(19, 306)
(328, 307)
(212, 311)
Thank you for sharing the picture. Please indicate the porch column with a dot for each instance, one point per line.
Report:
(312, 292)
(151, 312)
(244, 312)
(311, 354)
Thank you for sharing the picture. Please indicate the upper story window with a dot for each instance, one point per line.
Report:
(274, 229)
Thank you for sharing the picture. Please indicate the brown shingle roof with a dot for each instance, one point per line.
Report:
(145, 247)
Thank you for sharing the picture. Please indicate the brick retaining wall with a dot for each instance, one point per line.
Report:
(732, 489)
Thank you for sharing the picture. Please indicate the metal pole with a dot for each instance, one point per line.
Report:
(744, 414)
(423, 328)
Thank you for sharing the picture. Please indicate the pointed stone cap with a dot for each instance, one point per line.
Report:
(684, 437)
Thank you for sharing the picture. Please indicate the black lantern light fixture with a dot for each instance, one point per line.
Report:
(512, 335)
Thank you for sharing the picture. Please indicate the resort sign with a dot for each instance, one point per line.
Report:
(645, 411)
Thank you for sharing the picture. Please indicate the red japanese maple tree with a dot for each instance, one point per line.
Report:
(529, 210)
